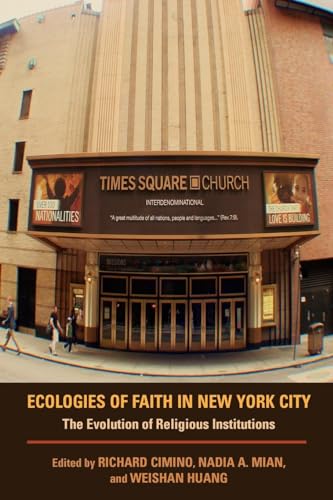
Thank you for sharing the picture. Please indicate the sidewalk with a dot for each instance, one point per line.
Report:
(173, 365)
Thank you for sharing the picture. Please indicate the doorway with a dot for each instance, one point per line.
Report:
(26, 297)
(114, 323)
(232, 333)
(143, 325)
(203, 325)
(173, 325)
(173, 313)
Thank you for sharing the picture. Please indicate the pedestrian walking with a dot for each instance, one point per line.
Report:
(9, 323)
(70, 330)
(56, 328)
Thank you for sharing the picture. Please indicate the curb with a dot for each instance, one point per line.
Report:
(293, 364)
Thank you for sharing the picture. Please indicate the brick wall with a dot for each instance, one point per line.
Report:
(304, 85)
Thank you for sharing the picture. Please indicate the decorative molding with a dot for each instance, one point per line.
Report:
(266, 93)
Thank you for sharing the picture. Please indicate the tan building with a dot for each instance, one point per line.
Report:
(43, 57)
(163, 200)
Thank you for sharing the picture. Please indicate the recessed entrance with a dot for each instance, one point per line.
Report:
(26, 299)
(174, 313)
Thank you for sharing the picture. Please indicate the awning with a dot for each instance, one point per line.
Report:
(196, 245)
(321, 8)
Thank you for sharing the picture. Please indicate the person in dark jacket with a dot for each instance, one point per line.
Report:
(56, 328)
(9, 323)
(70, 331)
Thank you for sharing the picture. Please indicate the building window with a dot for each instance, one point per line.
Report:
(25, 104)
(203, 286)
(144, 286)
(233, 285)
(173, 287)
(328, 36)
(114, 285)
(13, 215)
(19, 155)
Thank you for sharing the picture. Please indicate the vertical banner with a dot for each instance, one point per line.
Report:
(127, 440)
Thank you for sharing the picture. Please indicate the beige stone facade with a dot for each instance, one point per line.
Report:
(62, 42)
(179, 75)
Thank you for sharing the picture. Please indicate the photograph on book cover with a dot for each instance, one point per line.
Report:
(166, 264)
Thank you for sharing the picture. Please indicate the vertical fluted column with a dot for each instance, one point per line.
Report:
(174, 75)
(80, 97)
(254, 300)
(264, 76)
(91, 299)
(104, 120)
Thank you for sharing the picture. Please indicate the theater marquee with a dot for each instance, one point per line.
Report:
(143, 197)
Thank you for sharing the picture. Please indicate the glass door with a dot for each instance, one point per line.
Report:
(143, 325)
(114, 323)
(240, 323)
(232, 333)
(203, 325)
(173, 325)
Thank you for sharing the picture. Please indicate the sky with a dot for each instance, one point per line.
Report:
(10, 9)
(20, 8)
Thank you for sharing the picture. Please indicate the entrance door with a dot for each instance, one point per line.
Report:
(203, 325)
(232, 324)
(173, 325)
(316, 305)
(26, 297)
(114, 323)
(143, 325)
